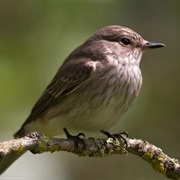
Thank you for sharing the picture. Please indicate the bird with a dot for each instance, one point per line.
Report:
(93, 88)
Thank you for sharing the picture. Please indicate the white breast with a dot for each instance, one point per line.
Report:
(98, 104)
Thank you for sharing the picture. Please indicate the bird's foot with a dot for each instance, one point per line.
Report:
(76, 138)
(122, 135)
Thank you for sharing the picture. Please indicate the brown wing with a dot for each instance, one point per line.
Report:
(70, 75)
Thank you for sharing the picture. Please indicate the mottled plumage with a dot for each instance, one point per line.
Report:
(93, 88)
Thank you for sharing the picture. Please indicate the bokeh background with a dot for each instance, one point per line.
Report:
(35, 38)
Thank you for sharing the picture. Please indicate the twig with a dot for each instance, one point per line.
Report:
(38, 143)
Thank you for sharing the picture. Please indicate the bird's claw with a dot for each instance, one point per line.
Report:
(77, 138)
(117, 135)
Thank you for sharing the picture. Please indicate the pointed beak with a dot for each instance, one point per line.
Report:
(152, 45)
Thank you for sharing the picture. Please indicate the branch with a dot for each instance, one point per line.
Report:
(38, 143)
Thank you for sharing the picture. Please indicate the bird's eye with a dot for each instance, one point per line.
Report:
(125, 41)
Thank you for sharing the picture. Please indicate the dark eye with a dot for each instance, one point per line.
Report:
(125, 41)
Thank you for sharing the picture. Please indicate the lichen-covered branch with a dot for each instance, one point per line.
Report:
(38, 143)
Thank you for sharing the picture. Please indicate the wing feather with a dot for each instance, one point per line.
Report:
(68, 78)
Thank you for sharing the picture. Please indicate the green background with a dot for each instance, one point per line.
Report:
(35, 38)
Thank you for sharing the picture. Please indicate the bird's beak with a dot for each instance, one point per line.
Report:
(152, 45)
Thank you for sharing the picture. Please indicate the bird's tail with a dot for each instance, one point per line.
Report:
(6, 161)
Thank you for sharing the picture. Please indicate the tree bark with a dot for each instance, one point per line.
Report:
(38, 143)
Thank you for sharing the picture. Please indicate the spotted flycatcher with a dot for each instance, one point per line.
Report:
(93, 88)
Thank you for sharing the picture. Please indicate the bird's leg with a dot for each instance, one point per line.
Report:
(76, 138)
(117, 135)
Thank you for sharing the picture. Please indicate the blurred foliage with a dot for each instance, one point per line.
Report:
(35, 38)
